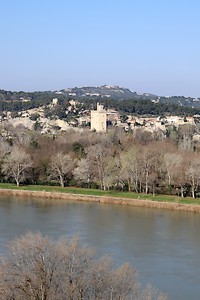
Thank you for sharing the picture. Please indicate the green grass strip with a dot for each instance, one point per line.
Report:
(95, 192)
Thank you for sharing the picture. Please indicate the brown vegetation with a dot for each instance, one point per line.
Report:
(37, 268)
(113, 160)
(102, 199)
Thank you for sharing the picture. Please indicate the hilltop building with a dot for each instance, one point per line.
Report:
(98, 118)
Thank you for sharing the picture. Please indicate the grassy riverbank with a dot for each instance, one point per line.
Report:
(95, 192)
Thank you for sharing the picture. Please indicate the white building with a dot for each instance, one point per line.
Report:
(98, 119)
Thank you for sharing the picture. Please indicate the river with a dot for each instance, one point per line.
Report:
(164, 246)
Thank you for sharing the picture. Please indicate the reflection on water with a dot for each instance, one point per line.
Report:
(163, 245)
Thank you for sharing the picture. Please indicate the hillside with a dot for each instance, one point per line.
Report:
(106, 91)
(116, 96)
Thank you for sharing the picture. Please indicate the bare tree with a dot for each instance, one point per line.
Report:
(99, 155)
(151, 157)
(31, 269)
(193, 172)
(84, 171)
(131, 171)
(16, 164)
(185, 133)
(61, 165)
(112, 173)
(21, 135)
(151, 293)
(5, 147)
(175, 165)
(37, 268)
(170, 163)
(179, 167)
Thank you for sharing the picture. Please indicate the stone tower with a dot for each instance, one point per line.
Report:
(98, 119)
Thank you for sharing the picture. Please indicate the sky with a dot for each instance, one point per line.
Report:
(148, 46)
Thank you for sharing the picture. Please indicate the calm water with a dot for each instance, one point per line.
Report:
(163, 245)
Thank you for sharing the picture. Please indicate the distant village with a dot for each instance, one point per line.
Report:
(98, 119)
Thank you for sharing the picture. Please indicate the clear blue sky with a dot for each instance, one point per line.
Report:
(145, 45)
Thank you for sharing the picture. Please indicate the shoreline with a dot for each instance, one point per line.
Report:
(103, 199)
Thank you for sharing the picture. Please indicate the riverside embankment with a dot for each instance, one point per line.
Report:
(102, 199)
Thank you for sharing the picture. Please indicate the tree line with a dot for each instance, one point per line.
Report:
(138, 161)
(14, 102)
(147, 107)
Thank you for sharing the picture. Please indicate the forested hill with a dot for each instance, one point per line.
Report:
(114, 92)
(111, 96)
(107, 91)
